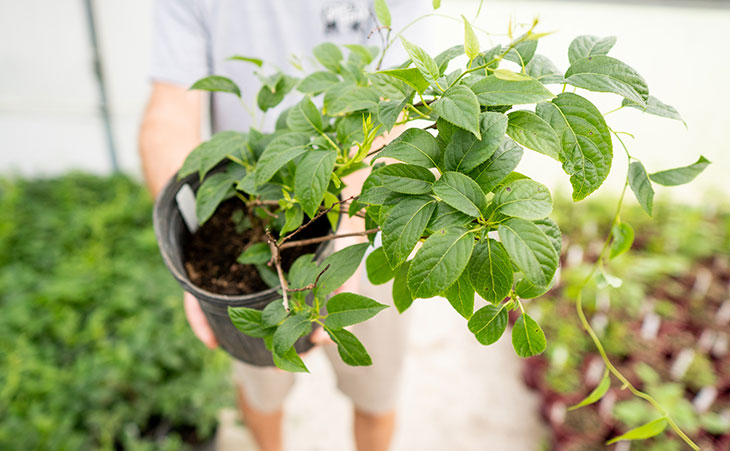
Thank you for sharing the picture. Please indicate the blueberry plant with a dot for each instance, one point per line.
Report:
(447, 182)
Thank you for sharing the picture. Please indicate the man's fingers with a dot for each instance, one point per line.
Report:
(198, 322)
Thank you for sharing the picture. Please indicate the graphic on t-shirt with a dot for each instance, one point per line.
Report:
(343, 17)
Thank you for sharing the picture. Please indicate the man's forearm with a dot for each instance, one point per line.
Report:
(170, 130)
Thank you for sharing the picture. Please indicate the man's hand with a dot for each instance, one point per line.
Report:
(198, 322)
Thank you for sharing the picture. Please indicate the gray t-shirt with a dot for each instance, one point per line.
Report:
(194, 38)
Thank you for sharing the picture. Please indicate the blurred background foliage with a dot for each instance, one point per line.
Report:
(95, 352)
(663, 320)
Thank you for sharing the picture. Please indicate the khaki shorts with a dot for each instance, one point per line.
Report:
(372, 389)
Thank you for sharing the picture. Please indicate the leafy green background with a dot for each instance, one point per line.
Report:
(94, 347)
(658, 274)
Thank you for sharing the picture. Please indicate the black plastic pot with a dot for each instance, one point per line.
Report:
(172, 233)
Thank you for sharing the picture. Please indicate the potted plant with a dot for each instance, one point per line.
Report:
(482, 227)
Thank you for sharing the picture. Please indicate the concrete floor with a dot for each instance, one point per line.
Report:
(457, 395)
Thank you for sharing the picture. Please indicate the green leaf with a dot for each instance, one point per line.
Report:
(461, 296)
(342, 265)
(361, 55)
(329, 56)
(211, 193)
(446, 217)
(505, 159)
(346, 309)
(460, 107)
(656, 107)
(588, 45)
(209, 153)
(293, 218)
(402, 298)
(378, 269)
(605, 74)
(305, 117)
(439, 262)
(268, 276)
(542, 69)
(522, 53)
(623, 238)
(490, 271)
(247, 59)
(351, 350)
(289, 361)
(641, 186)
(382, 12)
(406, 178)
(508, 75)
(443, 58)
(279, 152)
(648, 430)
(344, 98)
(389, 110)
(488, 324)
(404, 226)
(317, 82)
(523, 198)
(312, 178)
(527, 290)
(528, 338)
(680, 176)
(495, 91)
(414, 146)
(530, 130)
(436, 4)
(269, 98)
(295, 326)
(255, 254)
(465, 152)
(216, 83)
(471, 42)
(273, 313)
(423, 62)
(374, 191)
(597, 392)
(461, 192)
(303, 271)
(552, 231)
(530, 249)
(411, 76)
(248, 321)
(391, 87)
(587, 149)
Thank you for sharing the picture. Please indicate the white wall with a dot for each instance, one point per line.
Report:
(48, 96)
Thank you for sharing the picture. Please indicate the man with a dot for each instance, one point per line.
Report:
(193, 39)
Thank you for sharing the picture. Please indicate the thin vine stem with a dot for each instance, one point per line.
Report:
(594, 337)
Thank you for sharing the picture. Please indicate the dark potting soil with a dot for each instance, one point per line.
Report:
(211, 252)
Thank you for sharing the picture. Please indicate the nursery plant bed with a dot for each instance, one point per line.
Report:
(684, 316)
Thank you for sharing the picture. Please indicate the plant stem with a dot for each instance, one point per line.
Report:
(597, 341)
(276, 258)
(322, 239)
(415, 110)
(317, 216)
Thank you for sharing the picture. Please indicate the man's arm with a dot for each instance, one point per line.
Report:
(170, 130)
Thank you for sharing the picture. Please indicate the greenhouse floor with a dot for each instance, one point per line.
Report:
(457, 394)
